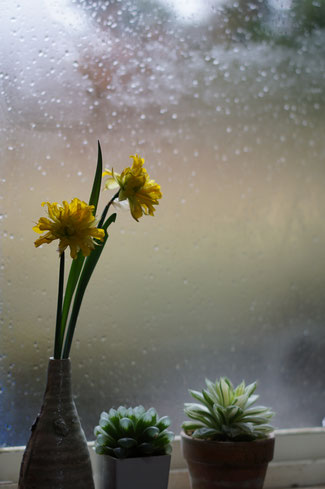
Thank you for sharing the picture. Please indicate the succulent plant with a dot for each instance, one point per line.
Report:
(227, 413)
(133, 432)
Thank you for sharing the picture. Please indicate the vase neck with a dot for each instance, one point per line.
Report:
(59, 378)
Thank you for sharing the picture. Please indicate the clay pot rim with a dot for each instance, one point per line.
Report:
(258, 441)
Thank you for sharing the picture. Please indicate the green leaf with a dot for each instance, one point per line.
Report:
(122, 411)
(152, 413)
(163, 423)
(208, 399)
(109, 428)
(120, 452)
(250, 389)
(114, 418)
(94, 196)
(151, 432)
(77, 263)
(101, 450)
(106, 440)
(139, 410)
(168, 449)
(251, 401)
(127, 442)
(164, 438)
(146, 448)
(126, 425)
(87, 271)
(191, 425)
(75, 270)
(205, 433)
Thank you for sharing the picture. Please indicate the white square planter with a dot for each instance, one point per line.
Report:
(130, 473)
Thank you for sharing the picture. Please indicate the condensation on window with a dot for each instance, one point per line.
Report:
(225, 101)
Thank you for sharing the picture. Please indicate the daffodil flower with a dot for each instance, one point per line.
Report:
(135, 186)
(73, 224)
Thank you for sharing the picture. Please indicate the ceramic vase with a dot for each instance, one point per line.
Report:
(57, 455)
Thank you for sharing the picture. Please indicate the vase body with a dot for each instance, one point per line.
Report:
(227, 465)
(57, 455)
(134, 473)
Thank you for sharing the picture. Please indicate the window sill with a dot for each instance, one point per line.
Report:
(299, 461)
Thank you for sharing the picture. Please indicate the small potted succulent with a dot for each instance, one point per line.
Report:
(228, 442)
(134, 445)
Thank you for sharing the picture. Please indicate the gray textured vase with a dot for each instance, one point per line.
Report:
(57, 456)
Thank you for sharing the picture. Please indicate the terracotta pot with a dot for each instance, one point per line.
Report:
(133, 473)
(227, 465)
(57, 455)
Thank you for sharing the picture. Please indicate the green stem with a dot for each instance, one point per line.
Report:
(104, 213)
(88, 268)
(77, 263)
(74, 274)
(57, 342)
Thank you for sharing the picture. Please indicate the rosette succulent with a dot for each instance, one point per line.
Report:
(133, 432)
(227, 413)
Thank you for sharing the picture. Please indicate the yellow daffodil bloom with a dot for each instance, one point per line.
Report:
(136, 187)
(73, 224)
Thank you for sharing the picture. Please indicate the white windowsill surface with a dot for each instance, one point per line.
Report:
(299, 461)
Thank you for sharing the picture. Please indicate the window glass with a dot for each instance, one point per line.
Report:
(225, 101)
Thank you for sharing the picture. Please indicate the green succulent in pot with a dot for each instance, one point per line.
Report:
(133, 432)
(228, 441)
(227, 413)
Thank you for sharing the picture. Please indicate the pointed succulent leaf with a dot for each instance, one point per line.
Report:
(251, 400)
(241, 401)
(245, 428)
(213, 391)
(264, 428)
(205, 433)
(191, 425)
(240, 389)
(209, 400)
(228, 410)
(231, 412)
(254, 419)
(198, 396)
(250, 389)
(225, 391)
(192, 406)
(258, 410)
(202, 417)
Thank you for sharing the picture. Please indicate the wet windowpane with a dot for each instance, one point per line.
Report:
(225, 101)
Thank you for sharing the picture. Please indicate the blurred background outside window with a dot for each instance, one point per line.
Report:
(225, 101)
